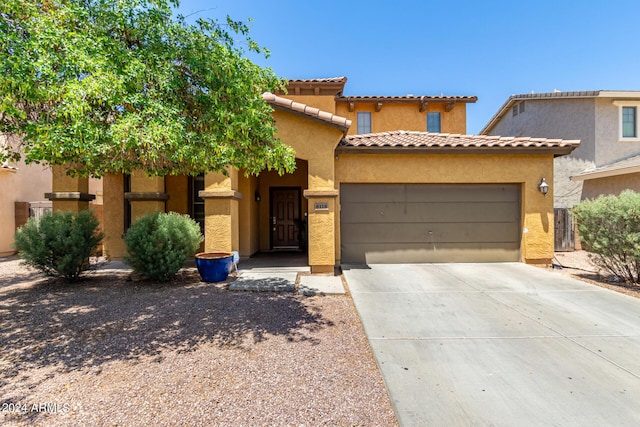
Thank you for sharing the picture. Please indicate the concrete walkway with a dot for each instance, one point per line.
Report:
(500, 344)
(267, 273)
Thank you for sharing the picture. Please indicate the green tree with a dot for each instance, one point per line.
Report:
(120, 85)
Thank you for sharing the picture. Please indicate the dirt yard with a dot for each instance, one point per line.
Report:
(578, 264)
(110, 351)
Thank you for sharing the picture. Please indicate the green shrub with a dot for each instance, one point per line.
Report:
(609, 227)
(60, 243)
(158, 244)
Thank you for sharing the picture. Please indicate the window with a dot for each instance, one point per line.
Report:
(515, 111)
(196, 203)
(521, 107)
(629, 122)
(364, 123)
(433, 122)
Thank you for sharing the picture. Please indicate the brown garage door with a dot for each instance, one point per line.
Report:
(398, 223)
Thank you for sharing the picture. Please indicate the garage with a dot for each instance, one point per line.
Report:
(401, 223)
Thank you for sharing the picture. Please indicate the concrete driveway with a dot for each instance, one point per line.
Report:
(500, 344)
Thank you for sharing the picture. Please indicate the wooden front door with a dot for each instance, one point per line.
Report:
(285, 217)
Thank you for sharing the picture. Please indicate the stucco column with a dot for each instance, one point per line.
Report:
(113, 214)
(321, 227)
(221, 210)
(147, 195)
(68, 193)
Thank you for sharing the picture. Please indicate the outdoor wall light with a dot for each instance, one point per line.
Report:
(543, 187)
(257, 196)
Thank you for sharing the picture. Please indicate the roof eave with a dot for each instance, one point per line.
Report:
(406, 100)
(585, 176)
(556, 151)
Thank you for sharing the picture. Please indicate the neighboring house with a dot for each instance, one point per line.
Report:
(606, 123)
(371, 185)
(23, 190)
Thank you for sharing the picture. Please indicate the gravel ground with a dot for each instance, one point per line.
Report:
(110, 351)
(578, 264)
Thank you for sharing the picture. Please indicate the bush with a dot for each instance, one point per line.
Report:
(60, 243)
(158, 244)
(609, 227)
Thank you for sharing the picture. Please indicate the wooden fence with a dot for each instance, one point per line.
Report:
(565, 239)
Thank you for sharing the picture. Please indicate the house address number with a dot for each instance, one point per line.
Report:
(321, 206)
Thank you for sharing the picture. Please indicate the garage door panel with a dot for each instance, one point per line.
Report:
(468, 193)
(430, 233)
(394, 253)
(430, 222)
(374, 193)
(429, 212)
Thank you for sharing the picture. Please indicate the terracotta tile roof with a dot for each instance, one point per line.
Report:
(339, 80)
(291, 106)
(332, 86)
(407, 98)
(444, 142)
(620, 167)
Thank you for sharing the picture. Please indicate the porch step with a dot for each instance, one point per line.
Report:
(265, 282)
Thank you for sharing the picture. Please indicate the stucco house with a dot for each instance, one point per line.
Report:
(22, 188)
(23, 194)
(606, 122)
(378, 179)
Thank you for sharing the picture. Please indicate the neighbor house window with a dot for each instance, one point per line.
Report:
(628, 120)
(629, 117)
(364, 122)
(433, 122)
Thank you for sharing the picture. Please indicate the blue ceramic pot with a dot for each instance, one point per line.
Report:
(214, 266)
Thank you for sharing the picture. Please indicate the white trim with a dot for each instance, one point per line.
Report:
(595, 174)
(621, 105)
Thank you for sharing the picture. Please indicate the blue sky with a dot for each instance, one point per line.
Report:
(490, 49)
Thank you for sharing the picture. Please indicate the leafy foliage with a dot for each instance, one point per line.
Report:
(609, 227)
(158, 244)
(106, 86)
(59, 244)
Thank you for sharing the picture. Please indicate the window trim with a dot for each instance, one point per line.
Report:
(621, 105)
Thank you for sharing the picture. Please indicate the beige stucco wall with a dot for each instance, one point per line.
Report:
(528, 170)
(405, 116)
(176, 186)
(323, 102)
(113, 211)
(26, 184)
(610, 185)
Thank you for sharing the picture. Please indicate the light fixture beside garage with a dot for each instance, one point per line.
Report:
(543, 187)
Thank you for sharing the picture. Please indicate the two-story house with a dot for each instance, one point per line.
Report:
(378, 179)
(606, 123)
